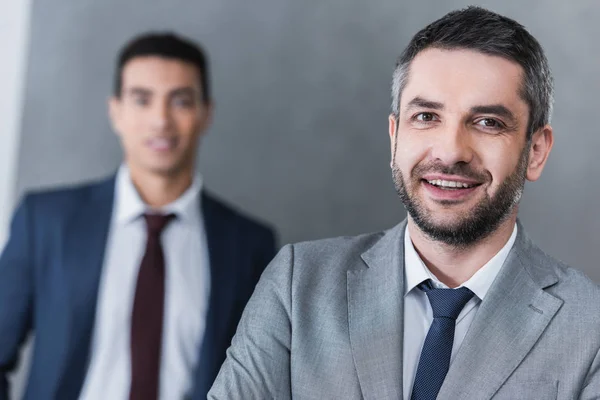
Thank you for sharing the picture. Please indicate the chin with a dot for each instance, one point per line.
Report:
(446, 222)
(450, 209)
(163, 170)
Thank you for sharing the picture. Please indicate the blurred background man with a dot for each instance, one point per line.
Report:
(133, 285)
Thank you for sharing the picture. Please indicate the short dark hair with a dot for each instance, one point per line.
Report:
(481, 30)
(167, 45)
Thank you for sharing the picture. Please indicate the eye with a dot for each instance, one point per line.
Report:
(183, 102)
(490, 123)
(425, 117)
(141, 100)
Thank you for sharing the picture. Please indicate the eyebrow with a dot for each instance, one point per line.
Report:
(181, 91)
(137, 91)
(419, 102)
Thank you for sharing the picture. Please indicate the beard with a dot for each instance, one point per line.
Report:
(478, 222)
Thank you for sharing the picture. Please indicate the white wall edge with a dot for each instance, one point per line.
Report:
(15, 20)
(14, 43)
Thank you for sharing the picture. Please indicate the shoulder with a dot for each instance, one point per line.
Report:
(326, 260)
(335, 250)
(314, 273)
(575, 286)
(226, 212)
(579, 312)
(67, 198)
(577, 291)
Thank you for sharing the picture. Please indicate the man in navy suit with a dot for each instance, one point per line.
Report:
(133, 286)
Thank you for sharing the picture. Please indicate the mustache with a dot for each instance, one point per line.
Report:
(460, 169)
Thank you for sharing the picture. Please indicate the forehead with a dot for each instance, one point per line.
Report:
(461, 79)
(159, 72)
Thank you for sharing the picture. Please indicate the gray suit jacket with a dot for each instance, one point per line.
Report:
(326, 322)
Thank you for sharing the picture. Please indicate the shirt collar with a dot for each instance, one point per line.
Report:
(130, 206)
(416, 271)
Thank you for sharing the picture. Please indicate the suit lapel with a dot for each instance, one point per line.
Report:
(510, 320)
(222, 255)
(84, 243)
(375, 316)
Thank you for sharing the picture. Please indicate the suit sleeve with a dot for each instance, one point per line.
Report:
(591, 389)
(16, 293)
(258, 360)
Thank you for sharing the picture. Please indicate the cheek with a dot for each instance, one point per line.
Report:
(133, 124)
(500, 162)
(410, 151)
(186, 125)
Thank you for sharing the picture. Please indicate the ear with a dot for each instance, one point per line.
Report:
(114, 113)
(541, 145)
(393, 129)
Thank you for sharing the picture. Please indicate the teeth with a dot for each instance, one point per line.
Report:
(450, 184)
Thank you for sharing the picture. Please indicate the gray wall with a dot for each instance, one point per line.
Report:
(300, 135)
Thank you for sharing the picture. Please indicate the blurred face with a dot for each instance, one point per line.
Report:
(159, 116)
(459, 151)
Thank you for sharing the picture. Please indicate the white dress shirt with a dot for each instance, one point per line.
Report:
(418, 314)
(187, 289)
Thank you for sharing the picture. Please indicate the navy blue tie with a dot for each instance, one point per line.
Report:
(437, 349)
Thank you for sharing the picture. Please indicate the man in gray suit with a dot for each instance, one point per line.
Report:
(456, 302)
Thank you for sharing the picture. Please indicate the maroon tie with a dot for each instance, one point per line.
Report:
(147, 315)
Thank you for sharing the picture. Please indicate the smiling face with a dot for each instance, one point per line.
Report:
(159, 115)
(460, 155)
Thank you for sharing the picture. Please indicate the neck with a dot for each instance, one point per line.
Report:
(158, 190)
(454, 265)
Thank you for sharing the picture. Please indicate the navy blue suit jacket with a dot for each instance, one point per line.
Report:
(49, 275)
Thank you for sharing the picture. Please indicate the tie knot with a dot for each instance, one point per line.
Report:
(446, 303)
(157, 222)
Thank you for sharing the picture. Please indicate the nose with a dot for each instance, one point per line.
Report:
(453, 145)
(161, 116)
